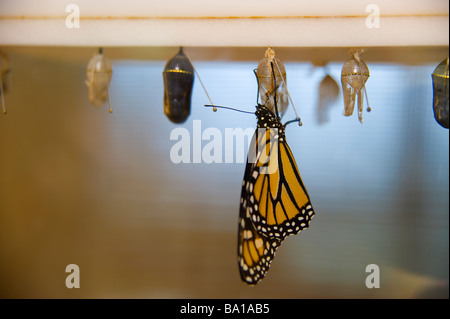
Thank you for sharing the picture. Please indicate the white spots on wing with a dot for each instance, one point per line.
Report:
(259, 243)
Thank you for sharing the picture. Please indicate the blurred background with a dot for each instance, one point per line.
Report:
(79, 185)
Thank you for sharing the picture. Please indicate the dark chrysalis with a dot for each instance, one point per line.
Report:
(440, 93)
(178, 82)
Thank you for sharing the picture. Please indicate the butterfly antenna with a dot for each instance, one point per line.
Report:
(228, 108)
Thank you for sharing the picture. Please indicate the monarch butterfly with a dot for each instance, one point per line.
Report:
(274, 202)
(273, 205)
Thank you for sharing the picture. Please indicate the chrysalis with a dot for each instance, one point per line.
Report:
(178, 77)
(353, 77)
(98, 77)
(440, 93)
(4, 71)
(266, 83)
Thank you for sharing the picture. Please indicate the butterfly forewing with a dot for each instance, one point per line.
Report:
(281, 204)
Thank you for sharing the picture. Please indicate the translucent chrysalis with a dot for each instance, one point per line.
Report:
(4, 71)
(178, 78)
(440, 93)
(266, 83)
(98, 77)
(354, 76)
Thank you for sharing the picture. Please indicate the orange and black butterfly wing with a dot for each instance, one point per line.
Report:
(280, 202)
(284, 207)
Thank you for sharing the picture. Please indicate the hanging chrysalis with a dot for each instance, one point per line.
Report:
(178, 77)
(266, 83)
(98, 77)
(4, 71)
(354, 76)
(440, 93)
(328, 95)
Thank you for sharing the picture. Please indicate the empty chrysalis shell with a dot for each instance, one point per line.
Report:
(178, 77)
(98, 77)
(354, 76)
(4, 71)
(266, 84)
(440, 93)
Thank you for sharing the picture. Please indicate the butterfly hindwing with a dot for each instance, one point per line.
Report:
(255, 251)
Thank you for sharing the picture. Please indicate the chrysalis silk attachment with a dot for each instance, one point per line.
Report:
(178, 77)
(353, 77)
(98, 77)
(266, 83)
(440, 93)
(4, 71)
